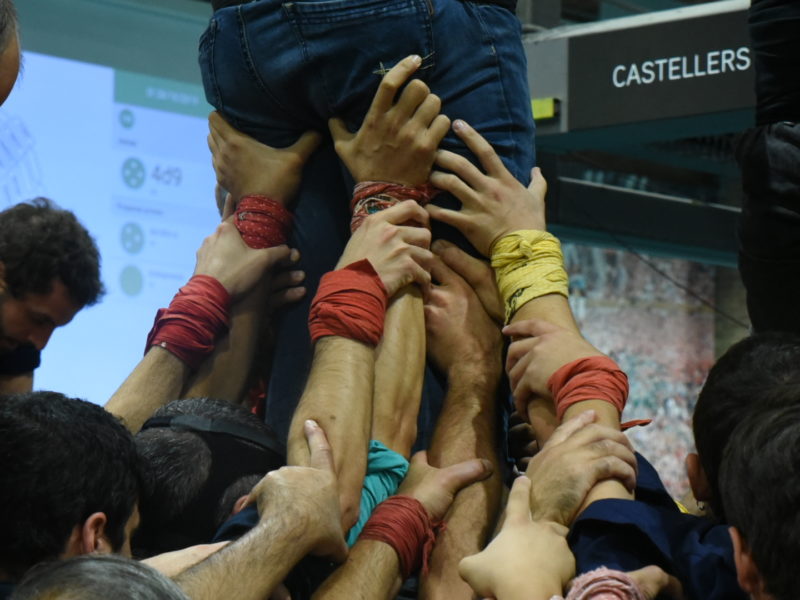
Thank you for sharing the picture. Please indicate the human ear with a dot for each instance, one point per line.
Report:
(93, 535)
(697, 478)
(746, 570)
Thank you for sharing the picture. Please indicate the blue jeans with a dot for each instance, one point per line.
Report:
(276, 70)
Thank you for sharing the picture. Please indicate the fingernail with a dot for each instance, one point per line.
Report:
(437, 246)
(298, 275)
(416, 59)
(311, 424)
(459, 125)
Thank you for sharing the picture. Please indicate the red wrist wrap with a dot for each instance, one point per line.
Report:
(404, 524)
(370, 197)
(196, 316)
(350, 303)
(262, 222)
(593, 378)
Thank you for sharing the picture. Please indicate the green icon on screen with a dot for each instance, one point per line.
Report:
(131, 280)
(126, 118)
(133, 173)
(132, 238)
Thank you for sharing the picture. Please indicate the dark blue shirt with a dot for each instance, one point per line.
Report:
(651, 530)
(6, 589)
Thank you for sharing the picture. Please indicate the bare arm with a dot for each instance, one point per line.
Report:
(342, 371)
(372, 570)
(495, 205)
(397, 143)
(299, 513)
(160, 376)
(156, 380)
(338, 395)
(466, 344)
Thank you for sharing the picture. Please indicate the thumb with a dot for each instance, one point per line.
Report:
(338, 129)
(321, 455)
(568, 428)
(228, 207)
(518, 507)
(538, 184)
(654, 582)
(305, 146)
(460, 475)
(531, 327)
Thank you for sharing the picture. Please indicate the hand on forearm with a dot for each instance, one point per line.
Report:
(526, 556)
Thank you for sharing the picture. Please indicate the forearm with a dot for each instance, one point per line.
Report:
(399, 372)
(338, 396)
(253, 566)
(156, 380)
(551, 307)
(371, 572)
(466, 429)
(607, 415)
(225, 373)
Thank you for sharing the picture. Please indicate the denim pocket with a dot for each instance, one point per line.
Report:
(348, 45)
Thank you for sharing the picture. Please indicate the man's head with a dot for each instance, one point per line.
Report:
(96, 578)
(49, 270)
(753, 369)
(9, 48)
(69, 481)
(760, 490)
(199, 456)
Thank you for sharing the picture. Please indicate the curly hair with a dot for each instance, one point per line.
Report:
(40, 243)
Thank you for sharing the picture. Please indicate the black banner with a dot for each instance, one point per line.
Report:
(666, 70)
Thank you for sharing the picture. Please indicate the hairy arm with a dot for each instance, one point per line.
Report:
(225, 373)
(157, 379)
(338, 396)
(160, 376)
(372, 571)
(299, 514)
(494, 204)
(255, 564)
(466, 344)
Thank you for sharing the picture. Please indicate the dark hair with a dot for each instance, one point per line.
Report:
(760, 490)
(192, 477)
(749, 371)
(63, 459)
(40, 243)
(8, 22)
(96, 577)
